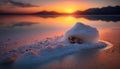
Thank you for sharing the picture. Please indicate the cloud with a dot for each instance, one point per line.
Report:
(11, 3)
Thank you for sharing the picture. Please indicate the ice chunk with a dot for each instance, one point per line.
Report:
(81, 33)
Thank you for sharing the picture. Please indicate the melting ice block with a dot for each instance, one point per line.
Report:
(81, 33)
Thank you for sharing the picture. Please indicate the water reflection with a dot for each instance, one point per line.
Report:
(6, 21)
(84, 59)
(83, 56)
(108, 18)
(22, 24)
(28, 29)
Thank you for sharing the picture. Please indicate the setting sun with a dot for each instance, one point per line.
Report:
(70, 10)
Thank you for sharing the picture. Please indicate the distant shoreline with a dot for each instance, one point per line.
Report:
(58, 15)
(109, 10)
(114, 18)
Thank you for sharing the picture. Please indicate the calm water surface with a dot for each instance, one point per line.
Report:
(16, 31)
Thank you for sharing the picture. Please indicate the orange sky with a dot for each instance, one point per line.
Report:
(67, 6)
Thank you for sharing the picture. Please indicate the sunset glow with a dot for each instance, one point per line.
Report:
(70, 10)
(61, 6)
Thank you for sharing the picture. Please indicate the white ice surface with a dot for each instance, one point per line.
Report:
(84, 32)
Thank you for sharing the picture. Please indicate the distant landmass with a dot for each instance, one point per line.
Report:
(109, 10)
(104, 10)
(107, 18)
(47, 13)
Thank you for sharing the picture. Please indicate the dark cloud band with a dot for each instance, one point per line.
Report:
(11, 3)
